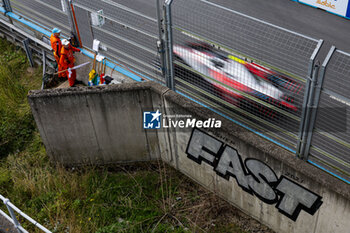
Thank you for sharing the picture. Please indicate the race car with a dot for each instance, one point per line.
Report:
(237, 81)
(280, 81)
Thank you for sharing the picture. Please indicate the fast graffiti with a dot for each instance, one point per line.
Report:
(253, 176)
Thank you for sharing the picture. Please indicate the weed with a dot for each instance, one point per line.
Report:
(17, 124)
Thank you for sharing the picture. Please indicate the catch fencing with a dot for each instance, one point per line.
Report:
(128, 35)
(234, 73)
(328, 142)
(45, 13)
(259, 75)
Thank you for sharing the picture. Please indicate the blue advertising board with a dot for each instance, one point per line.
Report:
(338, 7)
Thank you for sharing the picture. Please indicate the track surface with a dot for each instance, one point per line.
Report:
(294, 16)
(298, 17)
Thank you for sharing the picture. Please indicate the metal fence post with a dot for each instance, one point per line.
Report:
(166, 50)
(169, 45)
(314, 108)
(44, 69)
(13, 216)
(28, 52)
(7, 5)
(71, 21)
(303, 112)
(306, 97)
(309, 106)
(160, 42)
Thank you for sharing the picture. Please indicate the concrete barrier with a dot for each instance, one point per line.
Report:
(105, 125)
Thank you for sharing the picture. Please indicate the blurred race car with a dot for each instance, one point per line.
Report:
(237, 81)
(276, 79)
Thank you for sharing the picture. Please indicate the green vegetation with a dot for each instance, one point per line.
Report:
(16, 125)
(134, 198)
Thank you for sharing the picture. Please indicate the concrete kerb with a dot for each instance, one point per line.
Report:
(95, 89)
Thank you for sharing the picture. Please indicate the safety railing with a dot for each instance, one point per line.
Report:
(259, 75)
(328, 139)
(13, 219)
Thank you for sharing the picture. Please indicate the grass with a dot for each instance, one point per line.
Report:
(135, 198)
(16, 125)
(144, 197)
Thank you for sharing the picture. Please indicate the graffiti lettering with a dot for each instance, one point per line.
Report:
(253, 176)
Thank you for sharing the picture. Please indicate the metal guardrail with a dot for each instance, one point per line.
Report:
(13, 219)
(145, 41)
(21, 37)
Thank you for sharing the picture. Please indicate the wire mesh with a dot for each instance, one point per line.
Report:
(338, 73)
(331, 136)
(127, 51)
(47, 14)
(243, 67)
(85, 30)
(129, 35)
(18, 38)
(251, 37)
(124, 15)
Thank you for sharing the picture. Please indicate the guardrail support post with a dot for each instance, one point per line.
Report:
(13, 216)
(169, 45)
(306, 98)
(7, 5)
(160, 43)
(314, 106)
(28, 52)
(8, 8)
(309, 106)
(71, 20)
(44, 68)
